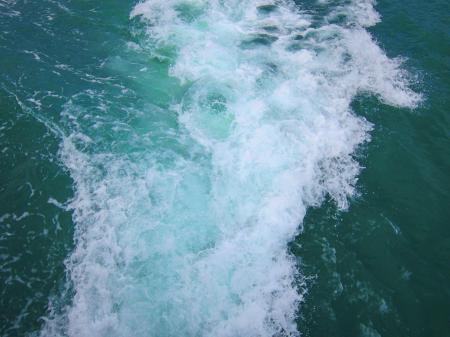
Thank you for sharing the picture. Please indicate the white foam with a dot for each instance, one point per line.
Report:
(360, 12)
(193, 242)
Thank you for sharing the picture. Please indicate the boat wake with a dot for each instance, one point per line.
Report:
(183, 213)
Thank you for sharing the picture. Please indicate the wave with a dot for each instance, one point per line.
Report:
(182, 230)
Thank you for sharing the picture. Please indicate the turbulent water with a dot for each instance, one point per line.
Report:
(187, 139)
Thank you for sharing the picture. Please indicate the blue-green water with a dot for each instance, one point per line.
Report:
(224, 168)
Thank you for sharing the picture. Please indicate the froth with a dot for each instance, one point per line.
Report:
(197, 245)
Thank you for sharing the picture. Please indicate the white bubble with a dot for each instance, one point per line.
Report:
(193, 242)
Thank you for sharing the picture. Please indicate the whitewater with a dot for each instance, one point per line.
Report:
(184, 210)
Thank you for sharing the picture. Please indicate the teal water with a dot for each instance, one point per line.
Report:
(224, 168)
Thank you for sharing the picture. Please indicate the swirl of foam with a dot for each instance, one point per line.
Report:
(196, 245)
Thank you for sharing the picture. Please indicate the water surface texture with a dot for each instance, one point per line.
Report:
(224, 168)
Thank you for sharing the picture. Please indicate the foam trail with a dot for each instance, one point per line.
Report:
(187, 235)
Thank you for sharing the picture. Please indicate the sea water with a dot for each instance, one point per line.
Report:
(192, 137)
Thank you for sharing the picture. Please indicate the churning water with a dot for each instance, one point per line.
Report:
(195, 151)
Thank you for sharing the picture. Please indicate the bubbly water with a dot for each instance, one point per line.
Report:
(183, 219)
(195, 153)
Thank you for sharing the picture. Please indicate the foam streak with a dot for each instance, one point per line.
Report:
(197, 245)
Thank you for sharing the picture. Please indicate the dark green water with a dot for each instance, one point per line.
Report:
(384, 264)
(379, 268)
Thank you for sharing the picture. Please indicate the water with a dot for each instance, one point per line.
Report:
(224, 168)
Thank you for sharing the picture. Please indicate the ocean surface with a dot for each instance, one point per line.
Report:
(225, 168)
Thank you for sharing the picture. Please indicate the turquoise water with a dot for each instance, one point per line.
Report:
(224, 168)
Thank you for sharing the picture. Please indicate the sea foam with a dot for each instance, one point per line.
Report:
(187, 234)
